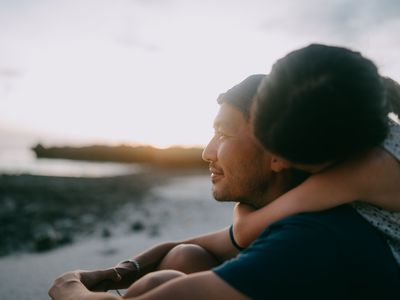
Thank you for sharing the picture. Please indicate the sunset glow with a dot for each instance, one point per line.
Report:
(150, 71)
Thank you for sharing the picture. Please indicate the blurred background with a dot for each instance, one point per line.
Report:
(105, 106)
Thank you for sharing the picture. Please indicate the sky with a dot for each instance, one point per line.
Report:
(149, 71)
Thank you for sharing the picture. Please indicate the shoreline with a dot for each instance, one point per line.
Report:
(174, 209)
(40, 213)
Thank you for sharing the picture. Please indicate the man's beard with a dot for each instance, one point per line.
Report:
(248, 193)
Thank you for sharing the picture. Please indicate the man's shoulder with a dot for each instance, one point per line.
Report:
(334, 218)
(342, 227)
(343, 234)
(343, 214)
(334, 227)
(335, 250)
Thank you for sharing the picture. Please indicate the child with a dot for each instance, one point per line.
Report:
(373, 177)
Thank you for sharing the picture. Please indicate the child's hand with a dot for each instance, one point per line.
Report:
(241, 210)
(242, 230)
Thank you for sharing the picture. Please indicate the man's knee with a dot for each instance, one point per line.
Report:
(182, 254)
(188, 258)
(186, 250)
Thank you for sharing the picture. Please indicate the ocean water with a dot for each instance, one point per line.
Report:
(24, 161)
(16, 157)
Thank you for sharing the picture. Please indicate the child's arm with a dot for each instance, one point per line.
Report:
(373, 177)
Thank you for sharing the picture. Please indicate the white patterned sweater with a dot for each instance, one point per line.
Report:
(387, 222)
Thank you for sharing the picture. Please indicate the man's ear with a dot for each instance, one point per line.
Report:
(278, 164)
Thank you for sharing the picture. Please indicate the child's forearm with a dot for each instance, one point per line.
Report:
(244, 230)
(382, 181)
(247, 226)
(373, 177)
(319, 192)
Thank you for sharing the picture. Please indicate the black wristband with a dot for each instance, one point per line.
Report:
(232, 237)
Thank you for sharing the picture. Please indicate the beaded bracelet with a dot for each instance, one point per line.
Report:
(137, 267)
(135, 263)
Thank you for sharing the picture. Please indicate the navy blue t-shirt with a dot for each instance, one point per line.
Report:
(334, 254)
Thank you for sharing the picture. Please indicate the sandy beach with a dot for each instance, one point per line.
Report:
(87, 223)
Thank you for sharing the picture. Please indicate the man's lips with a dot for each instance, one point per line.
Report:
(216, 173)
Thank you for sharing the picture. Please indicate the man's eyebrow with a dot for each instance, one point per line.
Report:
(220, 123)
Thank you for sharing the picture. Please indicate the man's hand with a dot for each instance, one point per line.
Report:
(119, 277)
(73, 285)
(101, 280)
(66, 286)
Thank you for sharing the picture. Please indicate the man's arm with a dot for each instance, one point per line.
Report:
(199, 286)
(218, 244)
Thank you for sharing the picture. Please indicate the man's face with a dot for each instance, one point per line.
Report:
(239, 166)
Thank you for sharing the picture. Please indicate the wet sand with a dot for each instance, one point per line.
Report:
(39, 213)
(158, 206)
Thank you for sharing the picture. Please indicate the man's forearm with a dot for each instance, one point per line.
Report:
(217, 244)
(151, 258)
(147, 261)
(84, 294)
(199, 286)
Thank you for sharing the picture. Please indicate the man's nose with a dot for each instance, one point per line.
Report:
(210, 151)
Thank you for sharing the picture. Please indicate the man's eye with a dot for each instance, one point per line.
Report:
(221, 135)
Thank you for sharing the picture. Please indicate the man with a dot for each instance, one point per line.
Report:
(326, 255)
